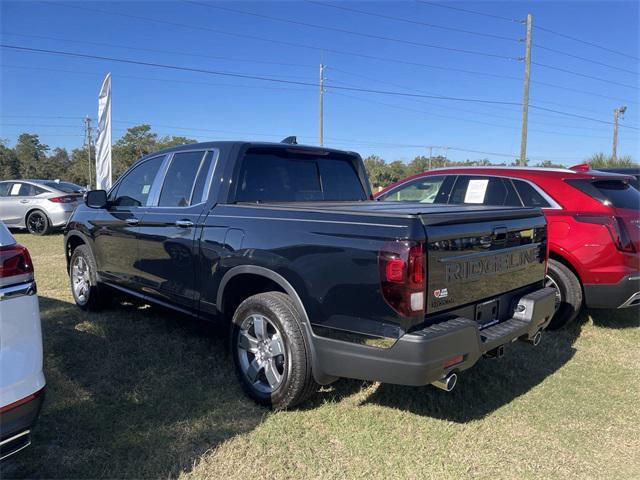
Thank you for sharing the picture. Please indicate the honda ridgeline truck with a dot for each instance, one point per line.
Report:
(316, 280)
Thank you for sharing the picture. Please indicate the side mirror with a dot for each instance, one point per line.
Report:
(96, 198)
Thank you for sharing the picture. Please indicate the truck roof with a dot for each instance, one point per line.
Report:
(229, 144)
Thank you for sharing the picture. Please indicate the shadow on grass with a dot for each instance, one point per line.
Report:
(617, 319)
(131, 392)
(490, 384)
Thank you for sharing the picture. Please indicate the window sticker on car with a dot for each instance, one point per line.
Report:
(476, 191)
(15, 188)
(145, 189)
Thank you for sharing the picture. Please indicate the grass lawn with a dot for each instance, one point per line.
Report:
(138, 392)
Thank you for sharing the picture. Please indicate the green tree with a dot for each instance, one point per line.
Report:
(78, 167)
(9, 164)
(549, 164)
(135, 143)
(376, 170)
(172, 141)
(31, 155)
(600, 160)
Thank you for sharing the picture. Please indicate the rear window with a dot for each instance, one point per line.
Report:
(530, 197)
(287, 176)
(66, 187)
(618, 193)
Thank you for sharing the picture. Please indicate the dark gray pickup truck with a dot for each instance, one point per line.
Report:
(316, 280)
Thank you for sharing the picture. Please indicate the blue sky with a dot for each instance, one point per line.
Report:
(49, 94)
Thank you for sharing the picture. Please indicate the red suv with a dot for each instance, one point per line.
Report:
(593, 218)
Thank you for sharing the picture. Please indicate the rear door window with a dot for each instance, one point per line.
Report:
(478, 190)
(619, 193)
(177, 189)
(284, 176)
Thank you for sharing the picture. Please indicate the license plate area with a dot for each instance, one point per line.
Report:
(487, 313)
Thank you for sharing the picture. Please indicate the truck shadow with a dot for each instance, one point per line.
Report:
(491, 383)
(131, 392)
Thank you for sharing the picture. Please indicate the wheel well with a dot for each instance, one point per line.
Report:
(559, 258)
(33, 210)
(243, 286)
(72, 243)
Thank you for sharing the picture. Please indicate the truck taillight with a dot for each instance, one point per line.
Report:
(402, 276)
(14, 260)
(616, 229)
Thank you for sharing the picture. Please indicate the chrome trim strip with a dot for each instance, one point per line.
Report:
(11, 439)
(21, 434)
(15, 291)
(214, 215)
(22, 278)
(630, 300)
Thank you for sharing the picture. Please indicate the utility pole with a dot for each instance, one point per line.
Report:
(321, 112)
(525, 97)
(618, 112)
(87, 125)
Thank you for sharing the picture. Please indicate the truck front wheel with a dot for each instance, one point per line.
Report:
(269, 352)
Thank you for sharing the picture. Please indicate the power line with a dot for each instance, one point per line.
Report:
(322, 49)
(352, 32)
(164, 52)
(564, 35)
(579, 116)
(247, 76)
(571, 72)
(170, 80)
(414, 22)
(475, 12)
(585, 59)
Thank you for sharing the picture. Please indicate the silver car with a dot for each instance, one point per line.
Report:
(38, 205)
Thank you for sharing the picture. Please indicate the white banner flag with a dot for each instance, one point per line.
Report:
(103, 146)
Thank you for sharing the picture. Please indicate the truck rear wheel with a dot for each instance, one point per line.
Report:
(568, 294)
(269, 352)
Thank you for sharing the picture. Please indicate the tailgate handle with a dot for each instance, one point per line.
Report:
(500, 234)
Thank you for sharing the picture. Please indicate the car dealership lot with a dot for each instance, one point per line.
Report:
(134, 391)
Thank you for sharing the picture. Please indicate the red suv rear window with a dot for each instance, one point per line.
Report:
(617, 193)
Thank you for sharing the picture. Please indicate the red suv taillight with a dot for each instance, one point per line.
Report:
(64, 199)
(616, 229)
(402, 277)
(14, 260)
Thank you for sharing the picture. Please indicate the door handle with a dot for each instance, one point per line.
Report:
(132, 221)
(24, 201)
(184, 223)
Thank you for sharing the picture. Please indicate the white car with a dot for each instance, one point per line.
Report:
(21, 377)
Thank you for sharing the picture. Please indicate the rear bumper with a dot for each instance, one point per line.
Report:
(419, 358)
(625, 293)
(16, 423)
(59, 216)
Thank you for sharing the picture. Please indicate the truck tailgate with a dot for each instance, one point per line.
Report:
(472, 258)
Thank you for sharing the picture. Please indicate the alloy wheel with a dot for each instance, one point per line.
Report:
(80, 280)
(261, 351)
(36, 223)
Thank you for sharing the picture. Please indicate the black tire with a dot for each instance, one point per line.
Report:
(94, 297)
(38, 223)
(297, 382)
(570, 294)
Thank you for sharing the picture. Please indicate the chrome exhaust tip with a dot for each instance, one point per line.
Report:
(447, 383)
(535, 340)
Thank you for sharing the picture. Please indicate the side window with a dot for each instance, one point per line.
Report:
(134, 188)
(5, 188)
(180, 179)
(476, 190)
(424, 190)
(201, 180)
(530, 197)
